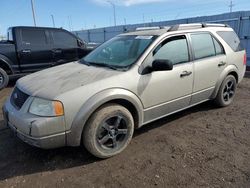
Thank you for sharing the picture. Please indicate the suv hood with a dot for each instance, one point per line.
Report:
(54, 81)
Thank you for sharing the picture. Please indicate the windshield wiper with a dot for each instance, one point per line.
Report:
(84, 62)
(104, 65)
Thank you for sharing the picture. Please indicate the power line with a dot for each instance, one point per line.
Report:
(170, 13)
(199, 6)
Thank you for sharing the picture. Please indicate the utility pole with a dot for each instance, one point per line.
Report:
(53, 21)
(114, 11)
(33, 12)
(70, 23)
(143, 19)
(231, 5)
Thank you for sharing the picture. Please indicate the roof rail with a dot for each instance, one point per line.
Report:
(214, 25)
(194, 26)
(182, 26)
(147, 28)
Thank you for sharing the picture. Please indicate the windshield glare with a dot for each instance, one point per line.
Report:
(120, 52)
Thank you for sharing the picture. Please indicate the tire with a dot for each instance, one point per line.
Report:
(4, 79)
(226, 92)
(108, 131)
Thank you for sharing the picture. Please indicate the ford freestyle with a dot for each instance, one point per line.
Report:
(127, 82)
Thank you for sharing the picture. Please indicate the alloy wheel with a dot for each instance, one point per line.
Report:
(1, 79)
(228, 91)
(112, 133)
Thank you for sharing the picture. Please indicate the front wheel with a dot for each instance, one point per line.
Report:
(4, 79)
(226, 92)
(108, 131)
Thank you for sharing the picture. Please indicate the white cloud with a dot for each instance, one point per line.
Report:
(134, 2)
(128, 2)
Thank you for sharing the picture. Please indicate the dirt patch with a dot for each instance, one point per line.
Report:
(200, 147)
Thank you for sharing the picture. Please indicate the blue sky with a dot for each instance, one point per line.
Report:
(87, 14)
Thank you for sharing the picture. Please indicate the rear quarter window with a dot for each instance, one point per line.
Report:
(218, 47)
(9, 35)
(231, 38)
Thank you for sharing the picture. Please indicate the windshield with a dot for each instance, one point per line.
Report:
(119, 52)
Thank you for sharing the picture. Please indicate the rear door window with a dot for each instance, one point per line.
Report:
(231, 38)
(203, 45)
(34, 37)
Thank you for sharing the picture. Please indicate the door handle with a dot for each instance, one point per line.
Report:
(57, 50)
(222, 63)
(185, 73)
(26, 51)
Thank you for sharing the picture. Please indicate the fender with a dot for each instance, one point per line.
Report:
(6, 62)
(225, 72)
(73, 136)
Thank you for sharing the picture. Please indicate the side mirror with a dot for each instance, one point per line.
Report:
(80, 43)
(159, 65)
(162, 65)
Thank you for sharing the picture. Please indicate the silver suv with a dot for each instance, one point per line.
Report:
(127, 82)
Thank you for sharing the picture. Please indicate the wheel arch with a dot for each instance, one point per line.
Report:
(235, 74)
(5, 64)
(119, 96)
(128, 105)
(229, 70)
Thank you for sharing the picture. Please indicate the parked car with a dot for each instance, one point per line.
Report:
(127, 82)
(30, 49)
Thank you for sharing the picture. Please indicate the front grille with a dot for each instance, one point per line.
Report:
(18, 98)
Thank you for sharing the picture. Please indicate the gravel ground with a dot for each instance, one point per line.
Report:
(203, 146)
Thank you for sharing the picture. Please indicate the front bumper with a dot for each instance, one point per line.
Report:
(42, 132)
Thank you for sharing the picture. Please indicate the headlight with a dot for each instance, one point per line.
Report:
(42, 107)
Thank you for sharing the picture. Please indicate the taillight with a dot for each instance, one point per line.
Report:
(245, 59)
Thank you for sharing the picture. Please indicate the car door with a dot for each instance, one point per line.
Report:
(65, 47)
(209, 62)
(34, 49)
(164, 92)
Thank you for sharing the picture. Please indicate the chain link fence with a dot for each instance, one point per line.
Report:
(239, 21)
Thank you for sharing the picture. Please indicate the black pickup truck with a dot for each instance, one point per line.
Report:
(30, 49)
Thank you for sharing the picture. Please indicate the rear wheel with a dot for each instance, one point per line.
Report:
(108, 131)
(226, 92)
(4, 79)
